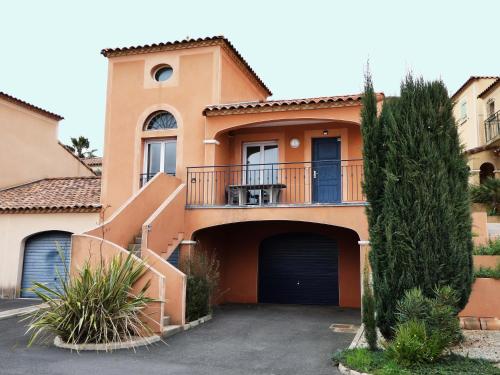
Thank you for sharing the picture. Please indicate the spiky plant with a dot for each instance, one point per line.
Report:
(487, 193)
(95, 306)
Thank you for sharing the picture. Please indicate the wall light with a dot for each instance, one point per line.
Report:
(325, 132)
(294, 143)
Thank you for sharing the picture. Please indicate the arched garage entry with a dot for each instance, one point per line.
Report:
(42, 262)
(299, 268)
(238, 249)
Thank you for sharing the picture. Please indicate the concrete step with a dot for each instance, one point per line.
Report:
(134, 248)
(171, 330)
(166, 320)
(138, 240)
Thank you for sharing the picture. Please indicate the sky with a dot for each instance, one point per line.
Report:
(51, 49)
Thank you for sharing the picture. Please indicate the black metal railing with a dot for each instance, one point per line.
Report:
(299, 183)
(144, 178)
(492, 126)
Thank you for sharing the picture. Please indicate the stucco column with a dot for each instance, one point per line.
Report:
(186, 250)
(210, 145)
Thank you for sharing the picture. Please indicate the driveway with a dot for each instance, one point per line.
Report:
(241, 339)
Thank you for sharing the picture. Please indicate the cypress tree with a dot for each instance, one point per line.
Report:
(419, 213)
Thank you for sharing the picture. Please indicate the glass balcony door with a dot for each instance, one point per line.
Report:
(159, 156)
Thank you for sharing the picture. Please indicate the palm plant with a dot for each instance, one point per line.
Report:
(487, 193)
(95, 306)
(78, 145)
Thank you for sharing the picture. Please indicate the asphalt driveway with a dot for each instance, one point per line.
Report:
(11, 304)
(241, 339)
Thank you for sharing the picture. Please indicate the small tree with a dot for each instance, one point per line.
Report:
(419, 214)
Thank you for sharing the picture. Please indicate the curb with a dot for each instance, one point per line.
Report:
(21, 311)
(197, 322)
(107, 347)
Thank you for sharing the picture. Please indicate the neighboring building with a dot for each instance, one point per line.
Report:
(46, 194)
(197, 158)
(29, 149)
(477, 110)
(95, 163)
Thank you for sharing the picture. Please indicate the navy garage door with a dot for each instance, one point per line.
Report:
(42, 260)
(299, 268)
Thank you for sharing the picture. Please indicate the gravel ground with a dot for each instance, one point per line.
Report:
(480, 344)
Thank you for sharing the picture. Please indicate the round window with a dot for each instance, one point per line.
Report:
(163, 73)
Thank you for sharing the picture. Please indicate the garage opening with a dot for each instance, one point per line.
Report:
(42, 261)
(299, 268)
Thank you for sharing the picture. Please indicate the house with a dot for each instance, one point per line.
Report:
(95, 163)
(476, 108)
(46, 194)
(198, 159)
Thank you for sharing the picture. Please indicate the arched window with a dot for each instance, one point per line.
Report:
(487, 170)
(161, 120)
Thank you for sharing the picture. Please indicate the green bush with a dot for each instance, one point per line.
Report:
(202, 283)
(493, 248)
(95, 306)
(197, 298)
(438, 314)
(487, 193)
(490, 273)
(369, 312)
(413, 344)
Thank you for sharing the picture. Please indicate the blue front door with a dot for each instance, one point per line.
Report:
(326, 170)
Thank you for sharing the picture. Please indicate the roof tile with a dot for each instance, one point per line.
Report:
(53, 194)
(30, 106)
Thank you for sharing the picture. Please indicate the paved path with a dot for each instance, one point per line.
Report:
(241, 339)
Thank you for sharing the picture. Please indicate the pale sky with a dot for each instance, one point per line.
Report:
(50, 49)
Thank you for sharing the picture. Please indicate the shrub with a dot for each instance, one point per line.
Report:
(369, 312)
(438, 314)
(95, 306)
(490, 273)
(487, 193)
(414, 344)
(197, 298)
(493, 248)
(202, 283)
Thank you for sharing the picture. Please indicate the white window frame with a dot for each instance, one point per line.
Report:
(161, 141)
(262, 144)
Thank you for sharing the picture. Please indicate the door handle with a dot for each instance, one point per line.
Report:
(298, 283)
(315, 174)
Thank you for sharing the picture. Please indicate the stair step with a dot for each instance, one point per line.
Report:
(134, 248)
(166, 321)
(138, 240)
(171, 330)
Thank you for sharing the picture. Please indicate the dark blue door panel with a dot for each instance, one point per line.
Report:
(326, 170)
(299, 268)
(42, 262)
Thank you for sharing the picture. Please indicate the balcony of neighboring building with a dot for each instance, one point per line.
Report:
(492, 128)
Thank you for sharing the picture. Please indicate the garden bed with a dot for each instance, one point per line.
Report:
(363, 361)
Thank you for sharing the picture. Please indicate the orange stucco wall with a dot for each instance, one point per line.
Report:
(29, 148)
(237, 248)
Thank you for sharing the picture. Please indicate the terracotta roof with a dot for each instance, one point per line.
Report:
(187, 43)
(30, 106)
(475, 150)
(93, 161)
(468, 82)
(489, 88)
(308, 103)
(74, 194)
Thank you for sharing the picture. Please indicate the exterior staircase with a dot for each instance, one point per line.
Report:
(135, 248)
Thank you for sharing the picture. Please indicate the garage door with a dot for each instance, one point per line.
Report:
(299, 268)
(42, 260)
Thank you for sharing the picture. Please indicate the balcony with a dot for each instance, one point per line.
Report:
(326, 182)
(492, 126)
